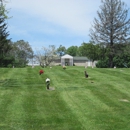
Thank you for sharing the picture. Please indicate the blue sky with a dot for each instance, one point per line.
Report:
(52, 22)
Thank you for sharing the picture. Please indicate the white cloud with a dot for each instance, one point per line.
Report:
(74, 15)
(47, 22)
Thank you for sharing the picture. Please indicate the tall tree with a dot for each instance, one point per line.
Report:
(46, 55)
(90, 50)
(112, 26)
(73, 51)
(61, 50)
(82, 49)
(22, 52)
(3, 10)
(4, 41)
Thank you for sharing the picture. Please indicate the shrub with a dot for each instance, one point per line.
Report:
(122, 61)
(102, 63)
(9, 65)
(128, 64)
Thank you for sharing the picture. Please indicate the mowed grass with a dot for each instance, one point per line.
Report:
(101, 102)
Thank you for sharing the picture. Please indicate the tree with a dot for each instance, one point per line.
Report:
(73, 51)
(3, 10)
(111, 27)
(123, 58)
(46, 55)
(61, 50)
(4, 41)
(22, 51)
(82, 49)
(90, 50)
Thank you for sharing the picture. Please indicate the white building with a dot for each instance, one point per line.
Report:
(67, 60)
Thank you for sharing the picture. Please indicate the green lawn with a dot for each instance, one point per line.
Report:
(101, 102)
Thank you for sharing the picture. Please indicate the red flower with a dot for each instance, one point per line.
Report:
(41, 72)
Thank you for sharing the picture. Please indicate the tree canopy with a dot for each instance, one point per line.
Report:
(61, 50)
(22, 51)
(112, 26)
(4, 41)
(46, 55)
(73, 51)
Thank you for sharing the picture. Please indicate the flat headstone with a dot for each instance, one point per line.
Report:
(50, 88)
(123, 100)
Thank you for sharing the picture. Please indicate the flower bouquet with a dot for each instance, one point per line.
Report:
(64, 67)
(41, 72)
(47, 83)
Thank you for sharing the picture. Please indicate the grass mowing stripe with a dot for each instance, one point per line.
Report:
(47, 111)
(55, 111)
(91, 110)
(5, 101)
(38, 106)
(9, 97)
(77, 102)
(64, 90)
(84, 106)
(114, 73)
(16, 114)
(99, 87)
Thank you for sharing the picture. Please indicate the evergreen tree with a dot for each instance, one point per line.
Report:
(4, 41)
(111, 27)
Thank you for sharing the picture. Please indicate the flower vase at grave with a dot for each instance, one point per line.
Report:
(41, 72)
(47, 83)
(64, 67)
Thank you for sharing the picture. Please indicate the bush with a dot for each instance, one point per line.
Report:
(7, 62)
(122, 61)
(9, 65)
(128, 64)
(102, 63)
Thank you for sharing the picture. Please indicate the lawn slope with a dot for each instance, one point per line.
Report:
(100, 102)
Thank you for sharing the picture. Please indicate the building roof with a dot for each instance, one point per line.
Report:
(75, 58)
(80, 58)
(67, 56)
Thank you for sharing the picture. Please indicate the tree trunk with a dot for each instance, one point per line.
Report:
(110, 61)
